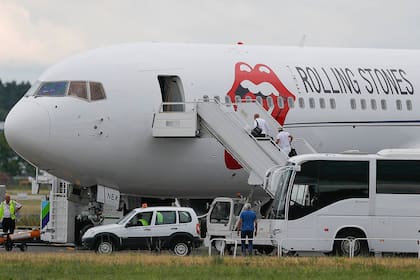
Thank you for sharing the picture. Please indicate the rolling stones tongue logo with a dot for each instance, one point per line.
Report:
(261, 81)
(254, 82)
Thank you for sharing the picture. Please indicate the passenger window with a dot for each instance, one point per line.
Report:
(237, 99)
(311, 103)
(373, 104)
(332, 103)
(280, 102)
(78, 89)
(301, 102)
(96, 91)
(259, 100)
(353, 104)
(322, 103)
(290, 102)
(398, 176)
(184, 217)
(228, 100)
(409, 105)
(399, 105)
(141, 219)
(363, 104)
(52, 89)
(248, 99)
(165, 217)
(270, 101)
(383, 104)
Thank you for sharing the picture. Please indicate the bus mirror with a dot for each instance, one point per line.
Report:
(297, 168)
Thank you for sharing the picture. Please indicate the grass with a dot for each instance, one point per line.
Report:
(144, 266)
(30, 213)
(16, 189)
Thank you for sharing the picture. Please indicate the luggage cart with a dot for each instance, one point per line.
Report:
(18, 239)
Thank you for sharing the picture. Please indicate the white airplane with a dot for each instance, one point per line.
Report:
(88, 119)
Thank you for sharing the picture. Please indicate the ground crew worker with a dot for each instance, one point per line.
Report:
(143, 222)
(246, 226)
(159, 218)
(8, 210)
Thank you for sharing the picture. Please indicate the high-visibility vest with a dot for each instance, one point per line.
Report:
(143, 222)
(11, 209)
(159, 218)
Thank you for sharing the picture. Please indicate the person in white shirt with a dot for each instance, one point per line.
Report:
(262, 124)
(283, 140)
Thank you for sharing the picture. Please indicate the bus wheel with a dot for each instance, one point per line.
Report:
(342, 247)
(265, 250)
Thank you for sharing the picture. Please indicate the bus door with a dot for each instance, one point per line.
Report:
(300, 221)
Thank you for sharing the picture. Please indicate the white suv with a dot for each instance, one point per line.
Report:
(174, 228)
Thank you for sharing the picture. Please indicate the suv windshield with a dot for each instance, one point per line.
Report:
(124, 219)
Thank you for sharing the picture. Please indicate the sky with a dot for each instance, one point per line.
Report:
(35, 34)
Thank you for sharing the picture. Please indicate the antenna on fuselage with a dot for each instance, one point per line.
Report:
(302, 41)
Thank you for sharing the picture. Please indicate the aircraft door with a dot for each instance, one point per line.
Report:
(172, 91)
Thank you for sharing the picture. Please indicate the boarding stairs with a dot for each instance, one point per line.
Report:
(231, 125)
(55, 209)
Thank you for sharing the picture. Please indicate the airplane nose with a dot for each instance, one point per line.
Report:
(27, 130)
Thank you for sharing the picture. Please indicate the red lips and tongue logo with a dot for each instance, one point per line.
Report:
(259, 80)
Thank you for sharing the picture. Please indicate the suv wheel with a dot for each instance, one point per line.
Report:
(181, 248)
(105, 247)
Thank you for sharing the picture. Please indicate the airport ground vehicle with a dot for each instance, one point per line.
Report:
(222, 220)
(324, 200)
(153, 228)
(19, 239)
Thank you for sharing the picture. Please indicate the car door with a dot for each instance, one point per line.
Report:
(185, 223)
(165, 224)
(138, 231)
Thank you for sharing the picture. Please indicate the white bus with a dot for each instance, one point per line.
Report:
(322, 197)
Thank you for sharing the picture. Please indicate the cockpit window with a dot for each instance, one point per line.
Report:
(96, 91)
(78, 89)
(52, 89)
(90, 91)
(32, 89)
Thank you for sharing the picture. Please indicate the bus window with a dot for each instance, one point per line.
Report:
(398, 176)
(321, 183)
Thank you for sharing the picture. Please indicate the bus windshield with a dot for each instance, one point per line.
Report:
(281, 192)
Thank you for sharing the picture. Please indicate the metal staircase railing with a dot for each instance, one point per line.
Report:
(230, 124)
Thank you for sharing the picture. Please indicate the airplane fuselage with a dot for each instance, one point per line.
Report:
(337, 99)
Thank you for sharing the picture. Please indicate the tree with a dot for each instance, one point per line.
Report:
(10, 162)
(10, 93)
